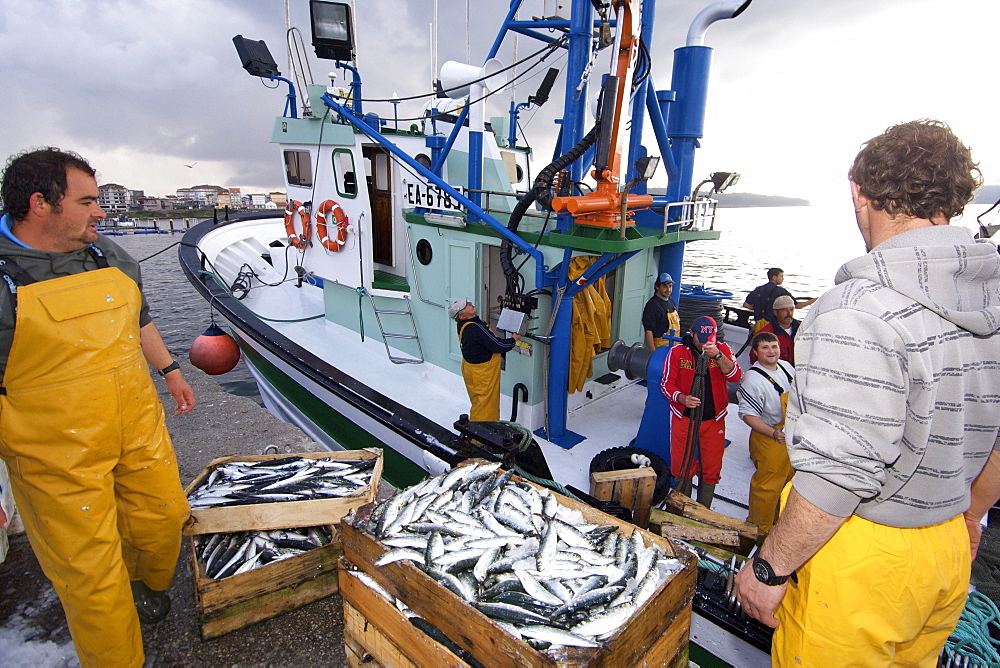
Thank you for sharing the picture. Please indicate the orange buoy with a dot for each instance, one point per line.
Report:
(214, 352)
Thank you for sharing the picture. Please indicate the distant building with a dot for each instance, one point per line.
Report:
(113, 198)
(202, 197)
(280, 199)
(258, 200)
(230, 197)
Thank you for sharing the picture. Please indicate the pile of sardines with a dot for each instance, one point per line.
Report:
(225, 554)
(287, 479)
(537, 568)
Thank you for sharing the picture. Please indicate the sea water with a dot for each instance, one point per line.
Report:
(809, 243)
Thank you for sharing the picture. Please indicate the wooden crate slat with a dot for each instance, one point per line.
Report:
(386, 633)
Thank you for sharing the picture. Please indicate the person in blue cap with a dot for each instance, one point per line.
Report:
(694, 379)
(659, 317)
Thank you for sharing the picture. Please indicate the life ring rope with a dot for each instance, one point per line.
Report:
(340, 236)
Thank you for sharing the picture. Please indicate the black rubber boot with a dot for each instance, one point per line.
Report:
(152, 606)
(706, 493)
(684, 486)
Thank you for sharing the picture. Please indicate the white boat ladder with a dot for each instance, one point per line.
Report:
(386, 336)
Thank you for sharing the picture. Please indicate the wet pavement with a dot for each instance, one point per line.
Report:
(222, 424)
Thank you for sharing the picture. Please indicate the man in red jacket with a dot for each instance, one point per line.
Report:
(694, 379)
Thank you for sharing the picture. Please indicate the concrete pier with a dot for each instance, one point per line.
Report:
(221, 424)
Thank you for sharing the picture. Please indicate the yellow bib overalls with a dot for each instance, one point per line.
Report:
(91, 464)
(482, 381)
(773, 471)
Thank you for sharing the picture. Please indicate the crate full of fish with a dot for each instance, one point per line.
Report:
(259, 492)
(513, 573)
(247, 576)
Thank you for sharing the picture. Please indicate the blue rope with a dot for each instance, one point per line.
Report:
(971, 637)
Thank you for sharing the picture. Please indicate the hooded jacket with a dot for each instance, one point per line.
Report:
(896, 404)
(43, 265)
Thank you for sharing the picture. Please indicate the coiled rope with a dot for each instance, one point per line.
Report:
(971, 638)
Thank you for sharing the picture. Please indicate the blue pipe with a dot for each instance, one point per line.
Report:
(355, 86)
(290, 98)
(635, 149)
(442, 153)
(476, 167)
(657, 107)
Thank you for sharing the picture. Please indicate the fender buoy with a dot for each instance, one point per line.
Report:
(293, 238)
(340, 239)
(214, 352)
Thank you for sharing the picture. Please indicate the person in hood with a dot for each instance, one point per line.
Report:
(893, 423)
(82, 430)
(481, 356)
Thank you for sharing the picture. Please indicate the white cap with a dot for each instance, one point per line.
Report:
(784, 301)
(455, 306)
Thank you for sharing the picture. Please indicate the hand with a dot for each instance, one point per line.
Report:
(975, 534)
(180, 391)
(710, 348)
(758, 599)
(515, 336)
(779, 435)
(690, 401)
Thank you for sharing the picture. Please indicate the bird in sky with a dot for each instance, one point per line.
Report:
(191, 165)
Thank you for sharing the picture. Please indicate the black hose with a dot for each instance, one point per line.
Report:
(521, 389)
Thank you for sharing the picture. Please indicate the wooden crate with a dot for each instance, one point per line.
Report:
(657, 635)
(239, 600)
(286, 515)
(631, 488)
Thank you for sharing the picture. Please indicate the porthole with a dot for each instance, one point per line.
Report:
(424, 252)
(423, 160)
(519, 173)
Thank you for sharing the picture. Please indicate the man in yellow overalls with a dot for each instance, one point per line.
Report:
(763, 397)
(481, 350)
(893, 427)
(82, 429)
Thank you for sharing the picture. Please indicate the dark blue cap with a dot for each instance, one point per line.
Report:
(705, 329)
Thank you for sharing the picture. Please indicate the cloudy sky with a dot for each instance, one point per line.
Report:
(144, 87)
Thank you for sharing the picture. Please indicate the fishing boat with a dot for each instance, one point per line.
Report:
(339, 303)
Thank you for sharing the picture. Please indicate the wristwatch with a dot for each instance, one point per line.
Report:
(717, 357)
(763, 571)
(173, 366)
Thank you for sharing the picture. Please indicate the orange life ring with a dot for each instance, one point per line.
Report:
(293, 238)
(338, 242)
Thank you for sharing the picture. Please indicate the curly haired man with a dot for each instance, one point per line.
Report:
(892, 424)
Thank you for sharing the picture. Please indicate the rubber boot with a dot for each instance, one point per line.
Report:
(706, 493)
(152, 606)
(684, 486)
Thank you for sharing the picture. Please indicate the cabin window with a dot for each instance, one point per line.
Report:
(298, 168)
(344, 173)
(381, 169)
(425, 253)
(423, 160)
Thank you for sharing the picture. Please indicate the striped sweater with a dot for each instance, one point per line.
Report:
(896, 404)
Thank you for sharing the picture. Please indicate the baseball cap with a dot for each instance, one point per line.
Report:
(704, 328)
(784, 301)
(664, 278)
(456, 305)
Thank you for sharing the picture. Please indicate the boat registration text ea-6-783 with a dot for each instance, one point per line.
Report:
(428, 196)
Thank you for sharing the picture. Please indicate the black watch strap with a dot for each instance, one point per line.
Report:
(173, 366)
(764, 573)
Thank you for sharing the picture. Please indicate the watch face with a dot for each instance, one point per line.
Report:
(761, 570)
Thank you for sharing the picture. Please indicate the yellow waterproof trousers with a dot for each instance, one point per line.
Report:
(482, 381)
(92, 468)
(875, 596)
(773, 471)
